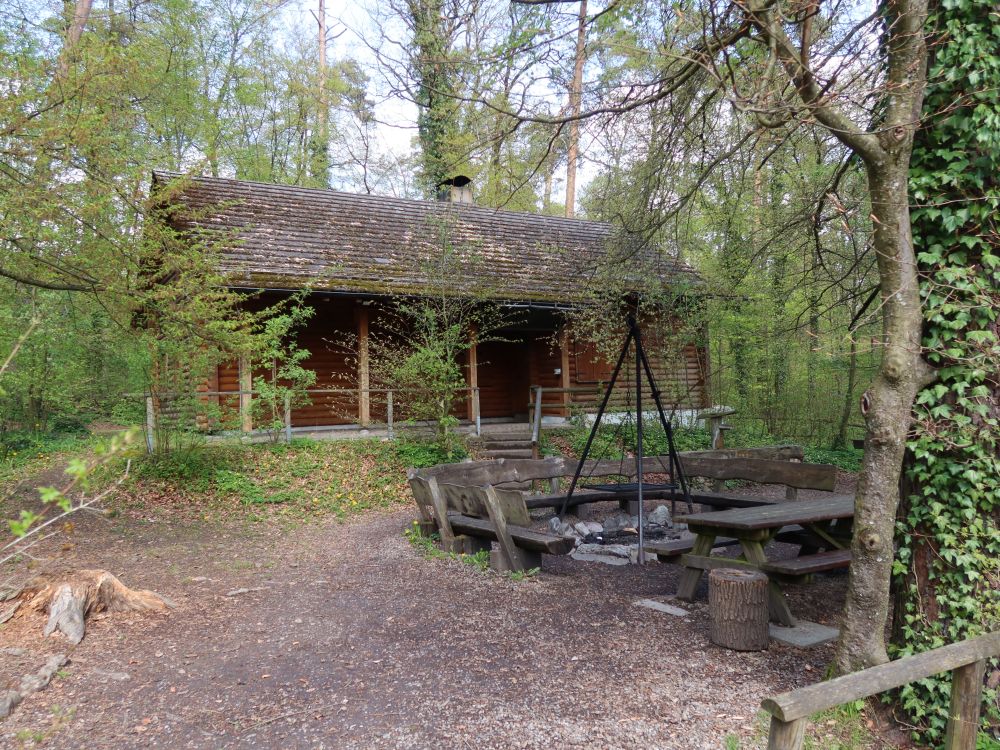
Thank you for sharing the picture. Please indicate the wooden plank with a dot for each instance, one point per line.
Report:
(963, 713)
(806, 564)
(441, 514)
(536, 541)
(776, 515)
(804, 702)
(364, 397)
(420, 488)
(472, 358)
(727, 500)
(753, 552)
(762, 471)
(246, 398)
(499, 521)
(474, 501)
(680, 546)
(786, 735)
(690, 577)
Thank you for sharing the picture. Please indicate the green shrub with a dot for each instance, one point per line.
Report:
(419, 454)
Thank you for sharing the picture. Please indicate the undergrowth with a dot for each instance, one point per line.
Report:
(25, 452)
(428, 547)
(612, 439)
(304, 479)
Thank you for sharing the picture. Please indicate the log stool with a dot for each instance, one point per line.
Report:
(737, 605)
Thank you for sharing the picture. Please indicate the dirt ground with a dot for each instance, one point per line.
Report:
(348, 638)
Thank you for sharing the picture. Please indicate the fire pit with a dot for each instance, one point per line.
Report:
(617, 537)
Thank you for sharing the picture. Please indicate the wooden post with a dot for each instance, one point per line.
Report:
(364, 397)
(737, 605)
(963, 713)
(786, 735)
(150, 425)
(246, 395)
(441, 511)
(506, 543)
(564, 379)
(476, 414)
(288, 418)
(472, 359)
(536, 427)
(388, 414)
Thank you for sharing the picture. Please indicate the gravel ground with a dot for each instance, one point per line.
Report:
(348, 638)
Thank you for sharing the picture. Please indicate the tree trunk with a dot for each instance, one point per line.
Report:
(70, 598)
(575, 100)
(886, 406)
(737, 601)
(840, 441)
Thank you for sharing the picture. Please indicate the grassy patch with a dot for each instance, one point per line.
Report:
(843, 728)
(428, 547)
(25, 453)
(295, 482)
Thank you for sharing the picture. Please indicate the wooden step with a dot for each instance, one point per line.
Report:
(508, 453)
(503, 443)
(806, 564)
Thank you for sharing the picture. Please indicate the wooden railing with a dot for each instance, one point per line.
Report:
(966, 661)
(246, 396)
(537, 394)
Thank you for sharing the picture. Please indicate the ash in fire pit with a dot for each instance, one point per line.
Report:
(618, 536)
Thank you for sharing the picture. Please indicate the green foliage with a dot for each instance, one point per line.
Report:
(947, 569)
(286, 381)
(520, 575)
(419, 454)
(293, 482)
(848, 459)
(21, 451)
(428, 546)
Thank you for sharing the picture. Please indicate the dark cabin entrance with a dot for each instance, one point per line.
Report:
(504, 379)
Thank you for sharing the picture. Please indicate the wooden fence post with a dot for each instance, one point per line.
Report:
(150, 425)
(388, 414)
(536, 427)
(786, 735)
(246, 395)
(963, 713)
(288, 418)
(475, 411)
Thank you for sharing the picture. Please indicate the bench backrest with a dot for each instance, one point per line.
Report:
(470, 500)
(772, 465)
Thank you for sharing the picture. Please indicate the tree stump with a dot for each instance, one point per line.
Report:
(737, 605)
(70, 598)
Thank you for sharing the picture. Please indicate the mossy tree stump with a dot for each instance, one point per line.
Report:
(737, 602)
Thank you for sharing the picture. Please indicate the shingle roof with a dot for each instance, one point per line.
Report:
(284, 237)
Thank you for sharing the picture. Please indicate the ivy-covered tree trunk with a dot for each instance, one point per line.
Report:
(886, 407)
(947, 575)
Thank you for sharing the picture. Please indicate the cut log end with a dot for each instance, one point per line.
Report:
(70, 598)
(737, 601)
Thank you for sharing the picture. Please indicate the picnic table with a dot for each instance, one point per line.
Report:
(827, 521)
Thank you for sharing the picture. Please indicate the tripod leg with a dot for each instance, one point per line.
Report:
(597, 423)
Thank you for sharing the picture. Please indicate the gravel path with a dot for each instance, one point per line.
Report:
(348, 638)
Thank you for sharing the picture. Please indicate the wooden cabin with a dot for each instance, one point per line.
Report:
(356, 252)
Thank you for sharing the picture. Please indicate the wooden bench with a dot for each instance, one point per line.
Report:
(804, 565)
(448, 490)
(470, 518)
(671, 550)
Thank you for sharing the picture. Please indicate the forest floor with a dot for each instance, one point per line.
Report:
(338, 633)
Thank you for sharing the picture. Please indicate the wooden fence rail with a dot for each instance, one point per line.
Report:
(246, 396)
(965, 660)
